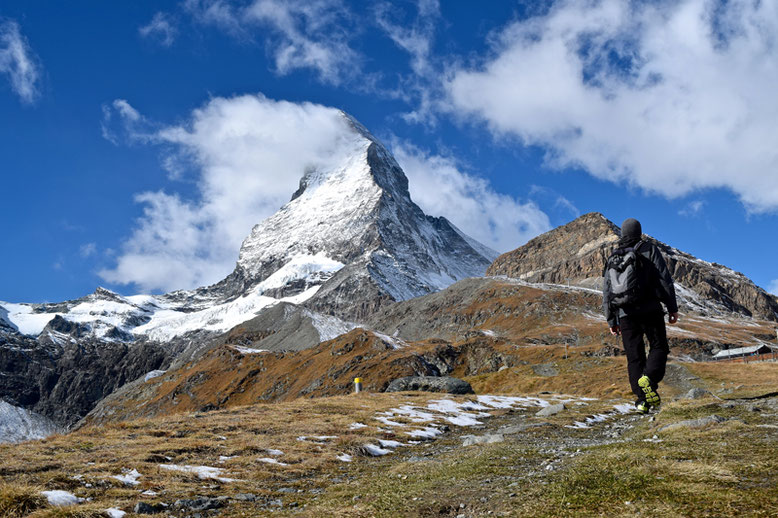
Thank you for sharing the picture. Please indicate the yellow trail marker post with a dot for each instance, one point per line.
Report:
(357, 385)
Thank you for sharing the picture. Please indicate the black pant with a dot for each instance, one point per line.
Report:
(633, 327)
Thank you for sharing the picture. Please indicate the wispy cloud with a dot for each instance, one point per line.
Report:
(18, 62)
(161, 28)
(440, 187)
(87, 250)
(671, 97)
(299, 34)
(422, 86)
(692, 209)
(773, 287)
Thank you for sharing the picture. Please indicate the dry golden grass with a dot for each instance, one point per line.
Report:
(19, 500)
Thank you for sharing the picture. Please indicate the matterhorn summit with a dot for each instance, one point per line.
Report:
(351, 238)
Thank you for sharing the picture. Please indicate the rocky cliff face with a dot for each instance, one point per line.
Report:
(64, 379)
(576, 253)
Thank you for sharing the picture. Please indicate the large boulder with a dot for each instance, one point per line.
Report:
(445, 384)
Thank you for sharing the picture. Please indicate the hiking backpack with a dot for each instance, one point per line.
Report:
(624, 273)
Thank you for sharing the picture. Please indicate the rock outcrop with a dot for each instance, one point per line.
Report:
(576, 253)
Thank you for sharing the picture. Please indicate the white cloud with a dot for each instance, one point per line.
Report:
(18, 62)
(249, 153)
(161, 29)
(773, 287)
(693, 209)
(672, 97)
(300, 34)
(440, 188)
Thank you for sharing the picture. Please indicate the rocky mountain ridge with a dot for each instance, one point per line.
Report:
(576, 253)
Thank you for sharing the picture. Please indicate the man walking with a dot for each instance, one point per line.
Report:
(636, 283)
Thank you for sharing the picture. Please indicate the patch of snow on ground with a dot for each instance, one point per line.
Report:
(489, 332)
(61, 498)
(389, 444)
(248, 350)
(203, 472)
(274, 453)
(129, 478)
(375, 451)
(429, 432)
(149, 492)
(115, 513)
(357, 426)
(153, 374)
(344, 457)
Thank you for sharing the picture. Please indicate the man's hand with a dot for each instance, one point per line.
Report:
(616, 330)
(672, 318)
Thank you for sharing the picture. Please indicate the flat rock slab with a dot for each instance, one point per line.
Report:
(550, 410)
(470, 440)
(445, 384)
(694, 423)
(696, 393)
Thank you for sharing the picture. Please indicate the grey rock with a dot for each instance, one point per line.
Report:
(696, 393)
(470, 440)
(694, 423)
(545, 369)
(445, 384)
(550, 410)
(244, 497)
(146, 508)
(199, 504)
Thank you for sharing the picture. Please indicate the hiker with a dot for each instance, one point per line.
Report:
(636, 282)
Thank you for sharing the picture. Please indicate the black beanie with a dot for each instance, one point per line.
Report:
(631, 229)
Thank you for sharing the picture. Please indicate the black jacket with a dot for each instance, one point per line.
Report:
(659, 287)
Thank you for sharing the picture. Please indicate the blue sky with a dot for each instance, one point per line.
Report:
(523, 115)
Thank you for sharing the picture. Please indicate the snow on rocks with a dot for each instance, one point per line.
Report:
(153, 374)
(129, 477)
(202, 472)
(60, 498)
(375, 451)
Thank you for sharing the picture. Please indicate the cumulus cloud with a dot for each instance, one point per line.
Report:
(672, 97)
(441, 188)
(18, 62)
(249, 153)
(160, 29)
(300, 34)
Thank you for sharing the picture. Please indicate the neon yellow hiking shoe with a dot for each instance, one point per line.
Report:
(642, 407)
(651, 395)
